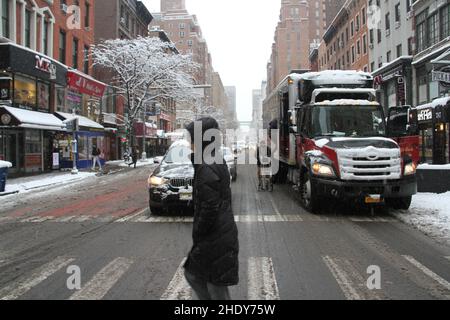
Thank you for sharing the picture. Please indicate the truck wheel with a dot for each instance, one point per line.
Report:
(307, 195)
(400, 203)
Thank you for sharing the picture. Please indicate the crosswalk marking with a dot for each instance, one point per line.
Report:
(342, 279)
(103, 281)
(133, 216)
(444, 283)
(178, 288)
(24, 284)
(262, 283)
(140, 217)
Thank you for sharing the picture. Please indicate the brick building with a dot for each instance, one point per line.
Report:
(345, 43)
(291, 48)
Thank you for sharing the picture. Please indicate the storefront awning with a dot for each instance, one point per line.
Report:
(30, 119)
(84, 123)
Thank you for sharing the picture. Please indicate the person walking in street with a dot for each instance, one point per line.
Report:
(263, 157)
(134, 156)
(96, 158)
(212, 265)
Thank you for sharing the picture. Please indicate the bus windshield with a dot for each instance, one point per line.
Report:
(348, 121)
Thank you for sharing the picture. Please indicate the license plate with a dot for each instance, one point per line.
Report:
(186, 196)
(373, 199)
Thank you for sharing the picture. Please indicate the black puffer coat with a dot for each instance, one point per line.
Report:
(214, 256)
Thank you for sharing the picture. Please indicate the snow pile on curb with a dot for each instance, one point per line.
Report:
(5, 164)
(430, 213)
(28, 184)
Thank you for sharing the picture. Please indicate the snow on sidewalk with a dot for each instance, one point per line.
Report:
(122, 164)
(430, 213)
(26, 184)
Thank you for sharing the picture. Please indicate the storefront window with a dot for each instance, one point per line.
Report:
(43, 96)
(83, 151)
(426, 137)
(5, 87)
(60, 94)
(74, 101)
(33, 151)
(24, 92)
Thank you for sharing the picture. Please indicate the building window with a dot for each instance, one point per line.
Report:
(86, 60)
(388, 56)
(397, 13)
(371, 37)
(372, 67)
(75, 53)
(182, 34)
(352, 28)
(5, 18)
(45, 37)
(445, 26)
(421, 31)
(87, 20)
(358, 47)
(379, 35)
(365, 44)
(388, 21)
(28, 28)
(353, 54)
(408, 5)
(62, 46)
(399, 51)
(363, 15)
(433, 29)
(357, 23)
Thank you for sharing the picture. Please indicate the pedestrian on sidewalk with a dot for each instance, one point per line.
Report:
(212, 265)
(96, 158)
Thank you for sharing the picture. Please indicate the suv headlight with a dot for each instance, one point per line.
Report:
(155, 181)
(410, 169)
(320, 169)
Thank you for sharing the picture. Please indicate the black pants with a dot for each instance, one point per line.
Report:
(205, 290)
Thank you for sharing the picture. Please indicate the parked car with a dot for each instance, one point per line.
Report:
(231, 161)
(172, 181)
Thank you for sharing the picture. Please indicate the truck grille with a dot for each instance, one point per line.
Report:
(369, 164)
(179, 183)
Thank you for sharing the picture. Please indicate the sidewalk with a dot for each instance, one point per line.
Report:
(26, 184)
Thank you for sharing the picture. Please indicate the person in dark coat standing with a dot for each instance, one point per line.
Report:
(134, 156)
(212, 265)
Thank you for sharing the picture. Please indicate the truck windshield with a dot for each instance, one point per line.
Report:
(348, 121)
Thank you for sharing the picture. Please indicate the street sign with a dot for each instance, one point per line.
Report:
(72, 125)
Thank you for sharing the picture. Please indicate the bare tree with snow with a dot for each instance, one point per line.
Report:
(145, 70)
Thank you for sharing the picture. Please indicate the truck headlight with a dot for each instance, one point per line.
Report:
(154, 181)
(410, 169)
(324, 170)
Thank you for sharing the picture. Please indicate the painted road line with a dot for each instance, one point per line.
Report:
(24, 284)
(103, 281)
(65, 219)
(82, 219)
(178, 288)
(133, 216)
(444, 283)
(262, 283)
(343, 279)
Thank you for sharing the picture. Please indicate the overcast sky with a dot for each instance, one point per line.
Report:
(239, 34)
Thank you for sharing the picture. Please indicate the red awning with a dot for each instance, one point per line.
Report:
(85, 84)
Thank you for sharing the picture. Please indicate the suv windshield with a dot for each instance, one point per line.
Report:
(178, 155)
(348, 121)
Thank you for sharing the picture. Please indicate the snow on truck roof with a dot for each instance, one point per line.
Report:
(334, 76)
(348, 102)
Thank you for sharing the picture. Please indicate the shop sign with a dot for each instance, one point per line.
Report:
(425, 115)
(46, 65)
(85, 85)
(442, 77)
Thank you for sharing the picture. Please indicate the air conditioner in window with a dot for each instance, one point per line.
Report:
(122, 21)
(397, 24)
(64, 8)
(388, 32)
(370, 45)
